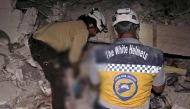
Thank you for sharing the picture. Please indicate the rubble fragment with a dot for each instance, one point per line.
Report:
(27, 23)
(44, 87)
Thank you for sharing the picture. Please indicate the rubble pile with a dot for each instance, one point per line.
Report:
(34, 90)
(20, 76)
(20, 18)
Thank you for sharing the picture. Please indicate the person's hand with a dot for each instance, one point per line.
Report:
(69, 78)
(75, 67)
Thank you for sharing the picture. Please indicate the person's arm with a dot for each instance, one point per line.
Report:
(159, 82)
(158, 89)
(79, 42)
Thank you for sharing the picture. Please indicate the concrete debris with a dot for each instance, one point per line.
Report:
(5, 106)
(24, 50)
(33, 63)
(20, 72)
(8, 92)
(182, 85)
(58, 12)
(28, 21)
(3, 103)
(15, 64)
(44, 103)
(3, 60)
(45, 88)
(19, 75)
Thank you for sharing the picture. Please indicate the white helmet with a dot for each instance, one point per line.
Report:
(125, 14)
(100, 19)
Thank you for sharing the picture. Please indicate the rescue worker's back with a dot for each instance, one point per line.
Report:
(127, 71)
(64, 35)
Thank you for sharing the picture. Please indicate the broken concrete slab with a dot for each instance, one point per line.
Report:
(27, 24)
(178, 98)
(33, 63)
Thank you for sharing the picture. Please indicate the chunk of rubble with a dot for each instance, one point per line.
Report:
(45, 88)
(5, 106)
(33, 63)
(28, 21)
(58, 12)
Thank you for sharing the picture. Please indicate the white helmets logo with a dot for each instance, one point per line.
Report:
(100, 19)
(125, 14)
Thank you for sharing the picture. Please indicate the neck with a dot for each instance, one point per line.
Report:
(129, 35)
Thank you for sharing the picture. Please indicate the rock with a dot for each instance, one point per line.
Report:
(28, 22)
(33, 63)
(14, 65)
(45, 88)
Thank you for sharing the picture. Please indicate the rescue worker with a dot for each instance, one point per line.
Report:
(127, 70)
(57, 47)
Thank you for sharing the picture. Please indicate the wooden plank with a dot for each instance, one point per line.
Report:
(171, 69)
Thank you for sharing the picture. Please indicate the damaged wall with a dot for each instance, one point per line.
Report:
(170, 39)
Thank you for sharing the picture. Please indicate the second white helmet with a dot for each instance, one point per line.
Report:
(125, 14)
(100, 19)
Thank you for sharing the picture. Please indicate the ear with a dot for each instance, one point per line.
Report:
(116, 34)
(137, 33)
(90, 25)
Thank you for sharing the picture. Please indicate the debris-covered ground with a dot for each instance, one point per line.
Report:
(22, 83)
